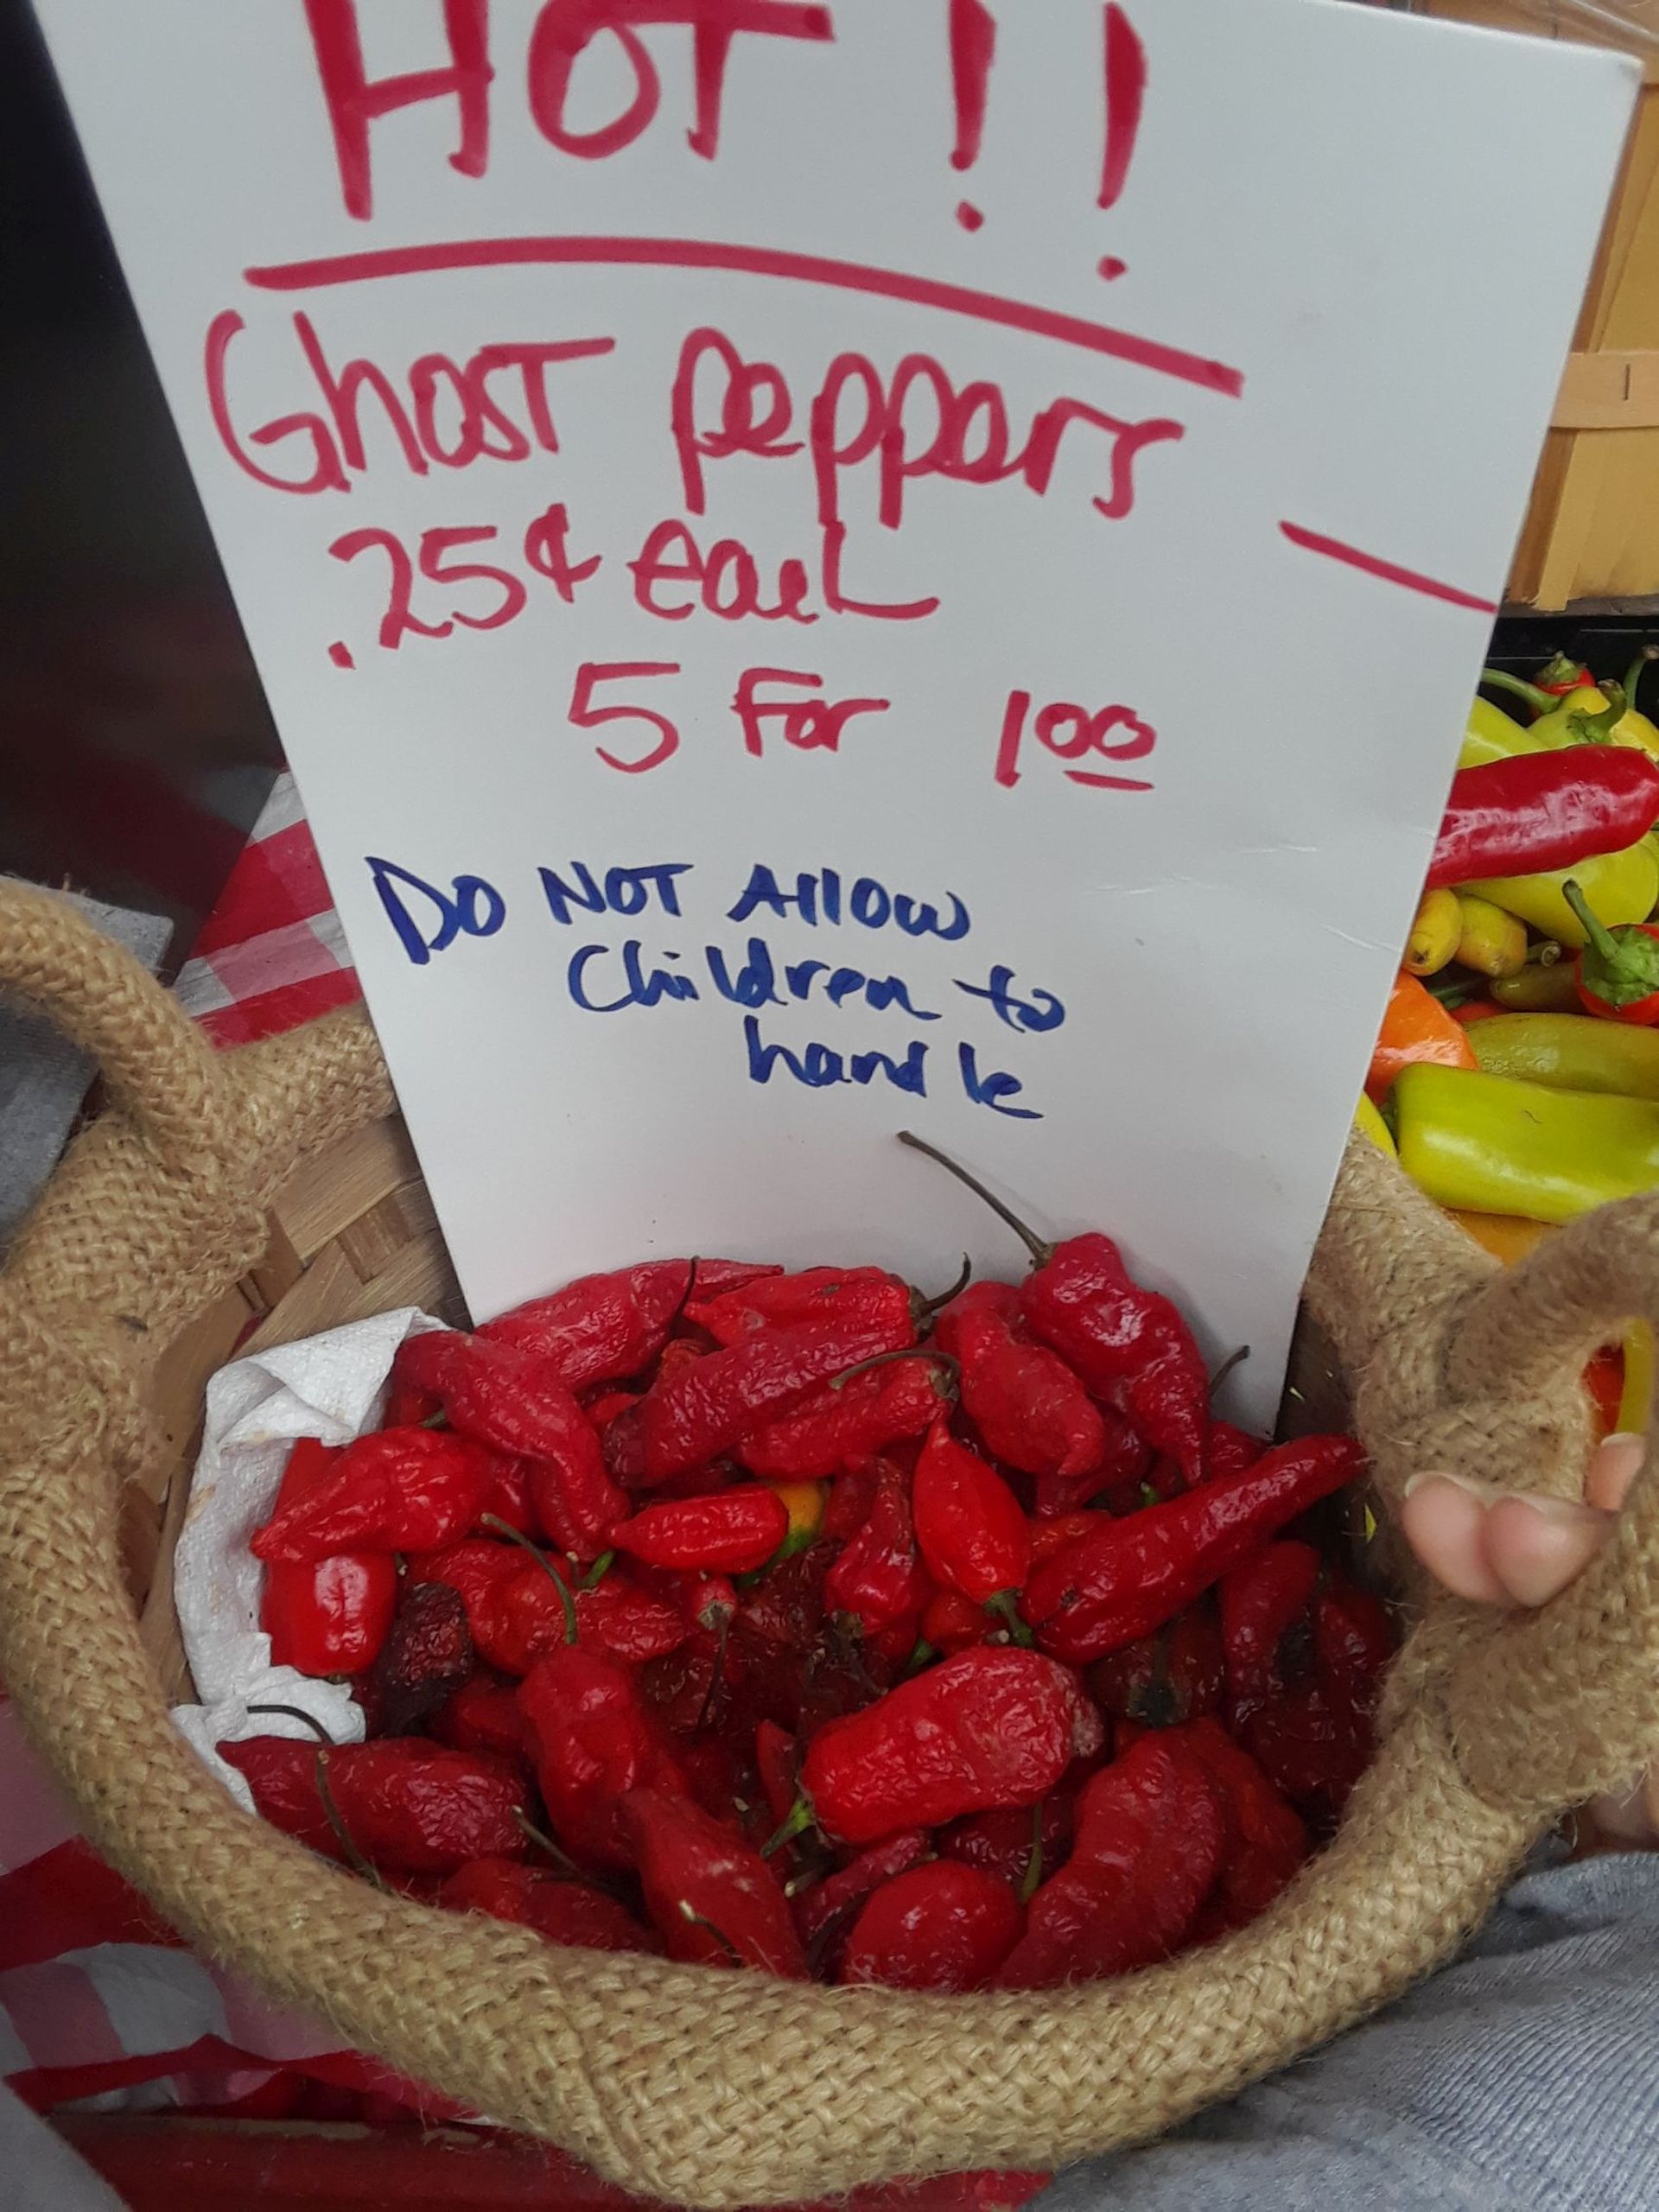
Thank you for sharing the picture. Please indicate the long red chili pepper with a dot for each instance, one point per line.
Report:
(878, 1577)
(726, 1532)
(1539, 811)
(1260, 1602)
(839, 1298)
(824, 1911)
(399, 1489)
(1127, 1579)
(509, 1399)
(562, 1910)
(988, 1727)
(1265, 1841)
(327, 1616)
(1028, 1405)
(405, 1804)
(711, 1897)
(593, 1739)
(847, 1421)
(603, 1327)
(1150, 1832)
(1126, 1345)
(974, 1537)
(690, 1417)
(943, 1927)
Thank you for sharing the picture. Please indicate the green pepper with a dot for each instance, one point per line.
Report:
(1490, 1144)
(1570, 1052)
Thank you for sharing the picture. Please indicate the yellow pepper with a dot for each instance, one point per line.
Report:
(1489, 940)
(1570, 1052)
(1369, 1123)
(1489, 1144)
(1505, 1236)
(1490, 734)
(804, 1503)
(1435, 932)
(1603, 714)
(1620, 887)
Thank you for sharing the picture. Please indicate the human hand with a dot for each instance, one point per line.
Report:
(1504, 1548)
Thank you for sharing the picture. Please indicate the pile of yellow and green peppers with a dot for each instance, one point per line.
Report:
(1542, 1109)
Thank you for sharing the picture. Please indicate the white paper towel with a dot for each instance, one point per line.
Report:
(332, 1387)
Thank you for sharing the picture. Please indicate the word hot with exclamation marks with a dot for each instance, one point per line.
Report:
(1124, 85)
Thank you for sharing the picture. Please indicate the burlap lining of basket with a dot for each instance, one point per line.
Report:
(723, 2089)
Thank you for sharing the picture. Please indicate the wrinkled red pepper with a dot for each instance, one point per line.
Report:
(483, 1715)
(944, 1926)
(560, 1910)
(592, 1740)
(407, 1805)
(1150, 1833)
(878, 1577)
(711, 1897)
(988, 1727)
(327, 1616)
(824, 1912)
(1127, 1345)
(847, 1421)
(1028, 1405)
(1164, 1679)
(398, 1489)
(1260, 1602)
(426, 1657)
(730, 1532)
(506, 1398)
(839, 1298)
(1127, 1578)
(603, 1327)
(1022, 1845)
(691, 1416)
(1265, 1842)
(973, 1535)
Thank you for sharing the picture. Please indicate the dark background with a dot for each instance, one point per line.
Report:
(134, 747)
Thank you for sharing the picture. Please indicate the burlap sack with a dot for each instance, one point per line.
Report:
(720, 2089)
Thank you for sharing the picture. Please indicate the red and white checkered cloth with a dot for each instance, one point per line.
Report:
(271, 954)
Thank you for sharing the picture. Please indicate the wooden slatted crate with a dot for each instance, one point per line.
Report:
(1592, 532)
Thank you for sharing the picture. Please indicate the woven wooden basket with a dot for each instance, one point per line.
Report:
(270, 1186)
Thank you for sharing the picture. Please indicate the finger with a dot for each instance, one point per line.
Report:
(1537, 1546)
(1612, 1469)
(1444, 1519)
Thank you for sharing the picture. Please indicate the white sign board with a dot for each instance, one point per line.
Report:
(824, 568)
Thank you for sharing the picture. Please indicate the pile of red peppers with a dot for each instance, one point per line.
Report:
(794, 1622)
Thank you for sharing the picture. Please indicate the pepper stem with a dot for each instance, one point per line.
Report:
(1041, 1252)
(336, 1820)
(1237, 1357)
(1540, 702)
(887, 1358)
(688, 1912)
(795, 1822)
(1606, 943)
(1006, 1605)
(597, 1573)
(1562, 669)
(516, 1535)
(1636, 669)
(924, 1309)
(1031, 1880)
(1597, 729)
(294, 1713)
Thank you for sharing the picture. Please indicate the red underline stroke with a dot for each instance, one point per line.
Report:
(755, 261)
(1389, 571)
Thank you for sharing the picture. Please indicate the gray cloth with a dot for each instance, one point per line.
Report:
(43, 1080)
(1524, 2076)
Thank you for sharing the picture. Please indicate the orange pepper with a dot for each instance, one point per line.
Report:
(1416, 1027)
